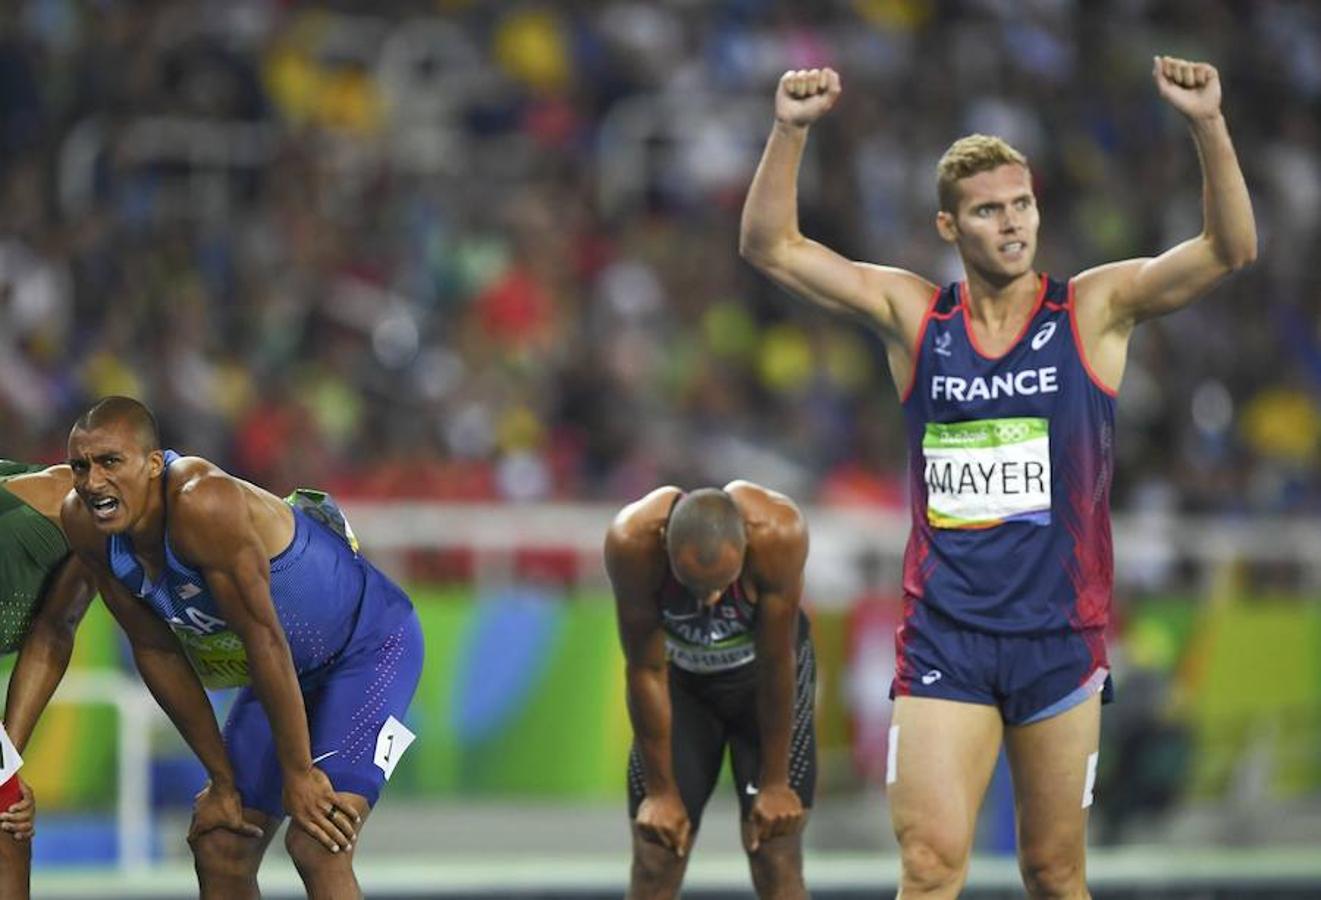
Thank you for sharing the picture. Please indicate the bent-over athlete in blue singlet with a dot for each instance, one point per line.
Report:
(355, 641)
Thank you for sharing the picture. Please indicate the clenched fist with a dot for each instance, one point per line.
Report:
(1193, 88)
(805, 95)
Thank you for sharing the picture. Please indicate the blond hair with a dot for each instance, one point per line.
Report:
(967, 157)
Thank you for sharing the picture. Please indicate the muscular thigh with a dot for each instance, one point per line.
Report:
(1053, 763)
(357, 718)
(942, 756)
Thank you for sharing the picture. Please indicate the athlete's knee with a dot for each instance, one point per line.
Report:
(1052, 873)
(931, 863)
(310, 856)
(656, 871)
(225, 854)
(777, 869)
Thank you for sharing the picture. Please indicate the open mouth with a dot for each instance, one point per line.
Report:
(103, 508)
(1013, 247)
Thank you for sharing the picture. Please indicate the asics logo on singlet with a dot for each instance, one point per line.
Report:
(1010, 384)
(931, 677)
(942, 342)
(1044, 334)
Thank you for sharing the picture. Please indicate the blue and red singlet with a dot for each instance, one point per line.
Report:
(1010, 464)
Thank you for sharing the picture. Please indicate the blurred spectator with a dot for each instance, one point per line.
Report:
(488, 251)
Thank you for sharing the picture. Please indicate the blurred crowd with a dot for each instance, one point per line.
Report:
(475, 250)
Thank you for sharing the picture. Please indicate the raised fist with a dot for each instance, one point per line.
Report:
(805, 95)
(1193, 88)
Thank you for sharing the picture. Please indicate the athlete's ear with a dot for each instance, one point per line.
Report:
(947, 227)
(155, 464)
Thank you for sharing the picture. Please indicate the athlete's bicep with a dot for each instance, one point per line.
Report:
(1137, 289)
(66, 600)
(816, 273)
(238, 578)
(640, 633)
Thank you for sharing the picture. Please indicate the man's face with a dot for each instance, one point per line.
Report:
(707, 582)
(113, 474)
(995, 225)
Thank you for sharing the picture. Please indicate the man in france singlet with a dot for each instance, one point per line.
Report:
(1007, 381)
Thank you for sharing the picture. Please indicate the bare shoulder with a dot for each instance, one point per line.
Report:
(769, 516)
(44, 491)
(638, 528)
(1096, 289)
(907, 296)
(199, 487)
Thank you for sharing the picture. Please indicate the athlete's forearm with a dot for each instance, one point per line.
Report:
(775, 713)
(648, 694)
(770, 212)
(42, 661)
(1226, 205)
(276, 685)
(177, 690)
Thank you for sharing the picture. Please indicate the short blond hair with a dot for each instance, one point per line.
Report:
(967, 157)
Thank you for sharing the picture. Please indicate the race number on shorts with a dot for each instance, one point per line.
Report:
(10, 761)
(988, 472)
(391, 742)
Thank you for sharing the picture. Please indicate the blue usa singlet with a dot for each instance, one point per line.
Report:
(1010, 463)
(317, 586)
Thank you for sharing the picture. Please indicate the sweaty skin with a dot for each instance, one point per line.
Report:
(771, 575)
(228, 530)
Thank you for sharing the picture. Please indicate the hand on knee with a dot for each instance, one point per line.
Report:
(1053, 875)
(309, 855)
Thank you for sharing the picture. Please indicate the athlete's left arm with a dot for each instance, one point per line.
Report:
(1127, 292)
(777, 555)
(212, 528)
(47, 648)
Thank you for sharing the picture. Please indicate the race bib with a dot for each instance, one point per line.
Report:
(716, 658)
(10, 761)
(985, 473)
(391, 742)
(218, 659)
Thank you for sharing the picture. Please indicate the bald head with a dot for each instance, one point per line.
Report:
(122, 411)
(706, 539)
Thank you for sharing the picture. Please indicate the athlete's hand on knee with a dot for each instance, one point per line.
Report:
(311, 801)
(777, 811)
(217, 806)
(663, 820)
(19, 820)
(805, 95)
(1193, 88)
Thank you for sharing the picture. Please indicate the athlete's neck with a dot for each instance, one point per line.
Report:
(1000, 304)
(148, 531)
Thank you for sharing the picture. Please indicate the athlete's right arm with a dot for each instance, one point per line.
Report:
(47, 648)
(159, 658)
(631, 560)
(769, 238)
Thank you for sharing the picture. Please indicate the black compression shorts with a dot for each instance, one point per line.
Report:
(713, 710)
